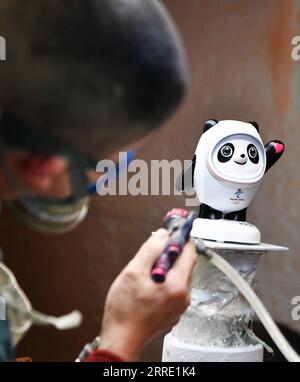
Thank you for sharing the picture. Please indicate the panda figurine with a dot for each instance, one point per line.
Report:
(228, 166)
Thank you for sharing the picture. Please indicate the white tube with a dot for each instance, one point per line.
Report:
(285, 348)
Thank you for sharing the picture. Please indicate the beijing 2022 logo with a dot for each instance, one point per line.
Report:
(239, 193)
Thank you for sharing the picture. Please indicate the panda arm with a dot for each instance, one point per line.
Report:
(274, 150)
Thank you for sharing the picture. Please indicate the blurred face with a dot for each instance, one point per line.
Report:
(34, 174)
(75, 68)
(48, 176)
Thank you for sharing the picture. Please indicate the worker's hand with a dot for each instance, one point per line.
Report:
(137, 308)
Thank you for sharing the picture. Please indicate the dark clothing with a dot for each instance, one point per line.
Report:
(6, 349)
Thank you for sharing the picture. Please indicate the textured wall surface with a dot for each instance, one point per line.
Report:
(241, 68)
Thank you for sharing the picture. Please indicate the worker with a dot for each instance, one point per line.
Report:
(83, 79)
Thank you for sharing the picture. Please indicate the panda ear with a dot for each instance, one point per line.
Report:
(208, 124)
(185, 181)
(255, 124)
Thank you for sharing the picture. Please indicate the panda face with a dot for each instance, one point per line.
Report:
(238, 157)
(226, 152)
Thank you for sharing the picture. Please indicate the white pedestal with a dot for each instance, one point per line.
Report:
(215, 326)
(176, 351)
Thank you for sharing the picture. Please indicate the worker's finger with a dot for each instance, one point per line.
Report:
(183, 266)
(150, 250)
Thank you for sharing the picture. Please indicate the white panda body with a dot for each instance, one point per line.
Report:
(230, 164)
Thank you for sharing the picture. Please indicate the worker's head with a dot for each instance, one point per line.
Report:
(95, 73)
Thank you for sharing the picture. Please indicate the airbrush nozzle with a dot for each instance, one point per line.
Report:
(179, 222)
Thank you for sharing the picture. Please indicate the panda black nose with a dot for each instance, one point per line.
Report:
(243, 155)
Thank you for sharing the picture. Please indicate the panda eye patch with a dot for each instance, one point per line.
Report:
(253, 153)
(225, 153)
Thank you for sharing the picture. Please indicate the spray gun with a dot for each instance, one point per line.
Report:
(179, 223)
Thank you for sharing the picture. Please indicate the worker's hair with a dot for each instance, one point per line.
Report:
(73, 64)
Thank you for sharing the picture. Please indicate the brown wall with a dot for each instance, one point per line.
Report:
(239, 57)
